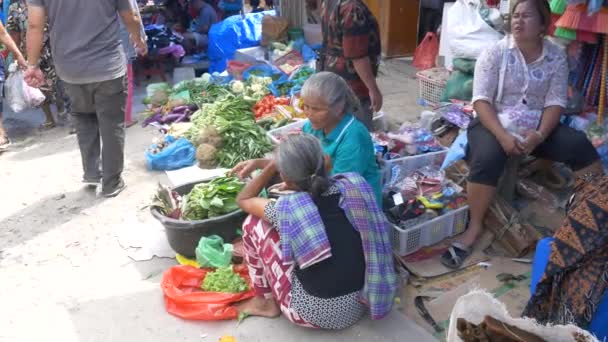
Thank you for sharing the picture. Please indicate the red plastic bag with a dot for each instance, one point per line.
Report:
(426, 53)
(236, 68)
(184, 298)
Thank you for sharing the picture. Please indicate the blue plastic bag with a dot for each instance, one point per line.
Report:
(457, 151)
(308, 53)
(263, 70)
(180, 153)
(231, 34)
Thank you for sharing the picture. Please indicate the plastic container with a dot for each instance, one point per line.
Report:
(312, 34)
(412, 163)
(276, 135)
(431, 84)
(183, 236)
(408, 241)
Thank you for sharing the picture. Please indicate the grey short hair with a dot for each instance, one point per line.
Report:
(333, 89)
(300, 160)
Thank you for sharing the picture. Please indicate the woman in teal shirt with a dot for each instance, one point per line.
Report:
(328, 104)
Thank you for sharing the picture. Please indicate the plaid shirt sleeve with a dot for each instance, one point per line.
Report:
(355, 31)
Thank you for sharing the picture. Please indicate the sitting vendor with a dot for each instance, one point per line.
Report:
(196, 39)
(570, 269)
(519, 93)
(321, 255)
(329, 103)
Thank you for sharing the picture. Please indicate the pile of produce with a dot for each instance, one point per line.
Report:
(224, 279)
(212, 199)
(168, 105)
(205, 200)
(158, 145)
(267, 105)
(225, 132)
(253, 89)
(169, 116)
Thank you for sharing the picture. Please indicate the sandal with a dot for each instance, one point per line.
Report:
(4, 146)
(47, 125)
(455, 256)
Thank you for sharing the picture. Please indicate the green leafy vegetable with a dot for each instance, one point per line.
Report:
(212, 199)
(232, 117)
(224, 279)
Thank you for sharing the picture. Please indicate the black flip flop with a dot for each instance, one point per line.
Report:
(455, 256)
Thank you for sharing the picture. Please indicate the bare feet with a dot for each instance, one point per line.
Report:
(469, 237)
(260, 306)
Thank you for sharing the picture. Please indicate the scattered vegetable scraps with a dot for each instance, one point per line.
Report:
(224, 279)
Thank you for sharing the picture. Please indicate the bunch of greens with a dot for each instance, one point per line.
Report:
(212, 199)
(242, 140)
(300, 76)
(233, 119)
(224, 279)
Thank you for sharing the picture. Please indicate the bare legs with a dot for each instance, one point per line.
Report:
(479, 197)
(48, 114)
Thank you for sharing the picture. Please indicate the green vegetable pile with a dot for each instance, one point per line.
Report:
(224, 279)
(212, 199)
(232, 117)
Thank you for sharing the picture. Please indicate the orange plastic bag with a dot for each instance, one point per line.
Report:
(184, 298)
(426, 53)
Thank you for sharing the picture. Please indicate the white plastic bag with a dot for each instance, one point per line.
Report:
(19, 95)
(469, 34)
(477, 304)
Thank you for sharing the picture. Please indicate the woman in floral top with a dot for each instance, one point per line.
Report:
(16, 25)
(519, 93)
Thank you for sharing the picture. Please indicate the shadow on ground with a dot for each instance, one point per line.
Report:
(141, 316)
(31, 221)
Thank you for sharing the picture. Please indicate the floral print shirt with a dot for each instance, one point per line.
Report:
(350, 32)
(528, 88)
(17, 22)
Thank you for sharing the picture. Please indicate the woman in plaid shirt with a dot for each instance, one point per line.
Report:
(320, 255)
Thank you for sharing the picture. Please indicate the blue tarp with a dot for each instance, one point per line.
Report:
(231, 34)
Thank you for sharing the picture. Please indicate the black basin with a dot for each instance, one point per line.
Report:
(183, 236)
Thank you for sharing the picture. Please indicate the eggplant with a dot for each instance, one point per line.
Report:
(170, 118)
(152, 118)
(179, 109)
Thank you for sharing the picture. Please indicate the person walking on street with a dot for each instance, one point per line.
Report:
(351, 49)
(16, 25)
(7, 41)
(89, 58)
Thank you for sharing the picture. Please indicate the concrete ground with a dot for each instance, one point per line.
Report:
(63, 275)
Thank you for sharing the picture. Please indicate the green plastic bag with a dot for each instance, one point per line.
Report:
(465, 65)
(213, 252)
(458, 87)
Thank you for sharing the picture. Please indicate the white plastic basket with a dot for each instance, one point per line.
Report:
(412, 163)
(431, 84)
(410, 240)
(276, 135)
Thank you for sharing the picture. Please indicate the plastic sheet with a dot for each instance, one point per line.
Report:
(184, 298)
